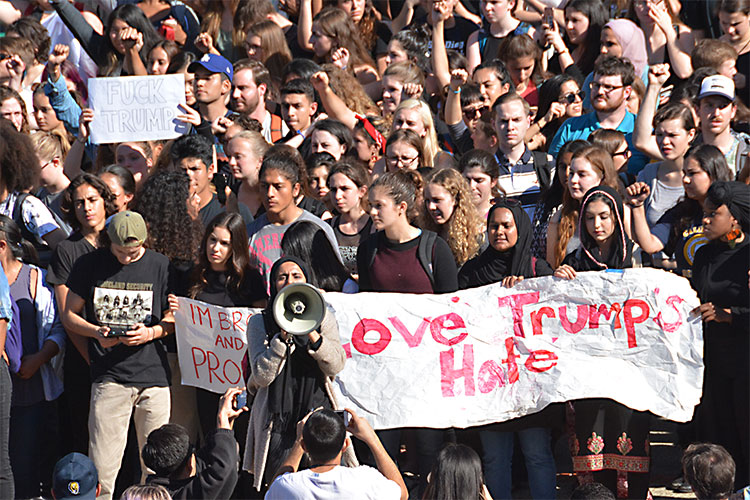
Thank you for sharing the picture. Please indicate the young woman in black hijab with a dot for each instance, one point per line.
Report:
(508, 260)
(720, 277)
(290, 376)
(508, 257)
(610, 441)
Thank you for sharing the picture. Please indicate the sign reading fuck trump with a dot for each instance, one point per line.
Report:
(136, 108)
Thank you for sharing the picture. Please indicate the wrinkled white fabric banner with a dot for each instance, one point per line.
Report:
(491, 354)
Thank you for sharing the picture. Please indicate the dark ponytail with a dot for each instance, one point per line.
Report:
(21, 249)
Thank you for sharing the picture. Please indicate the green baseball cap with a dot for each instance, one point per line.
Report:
(127, 229)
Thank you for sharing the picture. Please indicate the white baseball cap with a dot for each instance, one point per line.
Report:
(717, 85)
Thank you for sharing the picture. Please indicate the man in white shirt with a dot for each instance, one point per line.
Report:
(323, 436)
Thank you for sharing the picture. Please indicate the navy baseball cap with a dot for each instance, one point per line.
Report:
(214, 64)
(75, 477)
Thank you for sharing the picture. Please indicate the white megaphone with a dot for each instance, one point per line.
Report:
(298, 308)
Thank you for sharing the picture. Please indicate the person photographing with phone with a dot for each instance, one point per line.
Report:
(322, 435)
(118, 299)
(209, 473)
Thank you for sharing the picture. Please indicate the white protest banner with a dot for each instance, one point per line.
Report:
(491, 354)
(211, 342)
(136, 108)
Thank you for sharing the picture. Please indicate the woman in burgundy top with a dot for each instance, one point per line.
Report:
(403, 258)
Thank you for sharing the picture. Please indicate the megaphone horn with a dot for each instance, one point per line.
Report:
(299, 308)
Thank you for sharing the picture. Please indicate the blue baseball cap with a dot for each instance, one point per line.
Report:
(214, 64)
(75, 477)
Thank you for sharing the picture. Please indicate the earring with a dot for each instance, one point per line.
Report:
(732, 236)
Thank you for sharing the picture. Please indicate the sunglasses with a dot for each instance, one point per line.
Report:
(474, 112)
(571, 97)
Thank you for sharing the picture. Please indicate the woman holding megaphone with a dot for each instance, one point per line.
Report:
(291, 372)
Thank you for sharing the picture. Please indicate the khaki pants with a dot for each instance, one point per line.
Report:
(184, 403)
(109, 417)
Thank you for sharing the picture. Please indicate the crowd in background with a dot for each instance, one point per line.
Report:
(411, 146)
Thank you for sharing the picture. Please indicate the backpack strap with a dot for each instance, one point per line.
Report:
(276, 130)
(542, 169)
(426, 253)
(371, 248)
(482, 39)
(18, 218)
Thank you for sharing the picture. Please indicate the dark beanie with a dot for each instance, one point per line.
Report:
(736, 196)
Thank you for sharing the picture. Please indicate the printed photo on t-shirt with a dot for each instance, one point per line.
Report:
(120, 306)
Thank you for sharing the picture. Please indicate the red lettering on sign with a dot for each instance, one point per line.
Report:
(196, 364)
(237, 318)
(411, 340)
(540, 361)
(670, 327)
(224, 322)
(583, 316)
(595, 313)
(536, 319)
(220, 341)
(231, 365)
(212, 367)
(200, 316)
(516, 303)
(367, 325)
(449, 374)
(630, 321)
(510, 345)
(450, 321)
(491, 375)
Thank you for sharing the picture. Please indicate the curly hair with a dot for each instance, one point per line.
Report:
(601, 162)
(8, 93)
(162, 201)
(348, 89)
(465, 228)
(19, 166)
(66, 203)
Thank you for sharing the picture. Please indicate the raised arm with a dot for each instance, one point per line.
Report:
(440, 66)
(92, 42)
(678, 46)
(304, 24)
(404, 17)
(637, 194)
(334, 106)
(643, 137)
(453, 114)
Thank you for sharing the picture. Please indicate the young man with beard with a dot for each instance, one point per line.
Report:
(251, 83)
(610, 89)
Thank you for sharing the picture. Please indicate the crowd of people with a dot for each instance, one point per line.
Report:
(415, 146)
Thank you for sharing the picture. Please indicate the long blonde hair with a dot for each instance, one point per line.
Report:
(430, 140)
(212, 21)
(276, 53)
(601, 162)
(464, 230)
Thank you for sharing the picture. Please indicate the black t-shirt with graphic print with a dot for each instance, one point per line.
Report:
(120, 296)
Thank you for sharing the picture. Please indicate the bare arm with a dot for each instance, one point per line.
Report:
(473, 54)
(304, 24)
(643, 137)
(61, 295)
(678, 48)
(404, 17)
(440, 66)
(453, 112)
(637, 194)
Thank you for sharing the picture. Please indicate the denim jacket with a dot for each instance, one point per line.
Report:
(49, 328)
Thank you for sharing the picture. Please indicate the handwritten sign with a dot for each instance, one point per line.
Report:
(136, 108)
(491, 354)
(211, 342)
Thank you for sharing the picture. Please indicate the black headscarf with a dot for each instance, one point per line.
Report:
(492, 266)
(588, 257)
(736, 196)
(300, 385)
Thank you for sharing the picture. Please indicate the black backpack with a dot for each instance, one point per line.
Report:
(43, 251)
(425, 251)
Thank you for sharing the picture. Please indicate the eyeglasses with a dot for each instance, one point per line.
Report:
(474, 112)
(395, 160)
(607, 89)
(625, 153)
(570, 98)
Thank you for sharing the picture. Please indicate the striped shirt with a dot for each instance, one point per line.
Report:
(519, 180)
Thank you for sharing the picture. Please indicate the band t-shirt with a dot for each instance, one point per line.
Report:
(120, 296)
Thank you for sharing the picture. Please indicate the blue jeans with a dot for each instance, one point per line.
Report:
(31, 447)
(537, 451)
